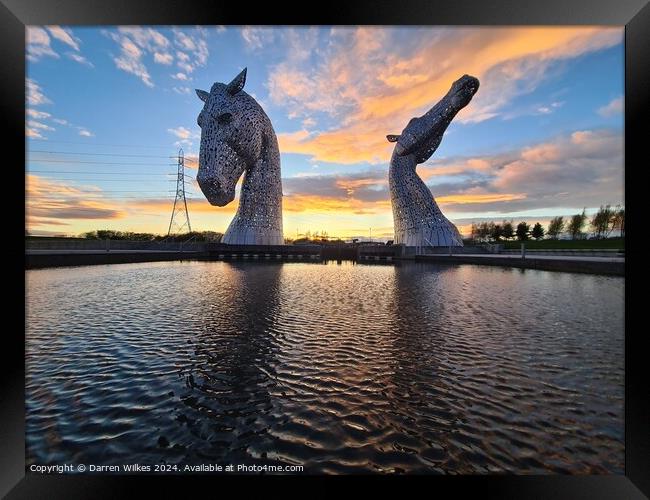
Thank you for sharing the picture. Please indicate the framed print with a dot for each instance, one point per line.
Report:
(380, 241)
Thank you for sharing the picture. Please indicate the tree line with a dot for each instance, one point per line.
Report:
(602, 224)
(109, 234)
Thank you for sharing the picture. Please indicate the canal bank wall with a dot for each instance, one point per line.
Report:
(39, 260)
(112, 252)
(130, 252)
(569, 265)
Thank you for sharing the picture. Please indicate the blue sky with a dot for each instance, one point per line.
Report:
(108, 107)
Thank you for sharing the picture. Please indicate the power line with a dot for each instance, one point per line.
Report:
(95, 192)
(71, 199)
(99, 180)
(179, 221)
(92, 144)
(96, 154)
(80, 191)
(87, 209)
(94, 173)
(102, 162)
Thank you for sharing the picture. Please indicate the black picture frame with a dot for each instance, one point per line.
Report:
(634, 14)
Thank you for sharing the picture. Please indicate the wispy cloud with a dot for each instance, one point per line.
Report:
(35, 95)
(180, 132)
(80, 59)
(614, 107)
(39, 44)
(135, 43)
(38, 122)
(191, 49)
(33, 133)
(188, 48)
(64, 35)
(130, 60)
(163, 58)
(35, 124)
(34, 113)
(184, 136)
(256, 38)
(147, 39)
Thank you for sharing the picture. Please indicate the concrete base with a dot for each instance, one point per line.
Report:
(84, 258)
(593, 265)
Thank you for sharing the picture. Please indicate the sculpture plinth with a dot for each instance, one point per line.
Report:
(237, 137)
(417, 219)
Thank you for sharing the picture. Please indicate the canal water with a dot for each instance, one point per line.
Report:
(413, 367)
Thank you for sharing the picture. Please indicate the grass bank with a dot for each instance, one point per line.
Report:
(609, 243)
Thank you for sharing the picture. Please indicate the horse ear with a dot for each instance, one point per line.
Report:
(237, 83)
(203, 95)
(392, 138)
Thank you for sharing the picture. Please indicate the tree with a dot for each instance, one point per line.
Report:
(483, 231)
(538, 231)
(576, 225)
(618, 220)
(601, 221)
(474, 232)
(497, 231)
(507, 230)
(555, 227)
(522, 231)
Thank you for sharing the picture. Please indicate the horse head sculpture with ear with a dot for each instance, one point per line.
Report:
(417, 219)
(237, 137)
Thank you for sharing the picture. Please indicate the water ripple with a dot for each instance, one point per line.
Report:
(340, 368)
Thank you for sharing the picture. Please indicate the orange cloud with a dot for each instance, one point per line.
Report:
(541, 153)
(163, 205)
(456, 167)
(461, 199)
(375, 91)
(48, 202)
(350, 185)
(345, 146)
(313, 203)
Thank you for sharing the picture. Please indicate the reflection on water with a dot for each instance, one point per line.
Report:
(340, 368)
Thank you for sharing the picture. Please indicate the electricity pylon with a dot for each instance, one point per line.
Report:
(180, 216)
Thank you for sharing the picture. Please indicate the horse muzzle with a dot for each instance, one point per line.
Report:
(215, 189)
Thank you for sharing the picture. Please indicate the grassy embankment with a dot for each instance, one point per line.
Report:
(52, 238)
(609, 243)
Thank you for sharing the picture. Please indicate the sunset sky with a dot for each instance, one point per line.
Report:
(108, 108)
